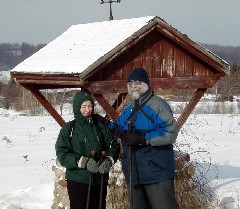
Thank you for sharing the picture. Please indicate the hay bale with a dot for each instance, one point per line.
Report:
(188, 194)
(61, 199)
(117, 197)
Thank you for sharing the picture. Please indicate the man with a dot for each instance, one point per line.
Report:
(148, 131)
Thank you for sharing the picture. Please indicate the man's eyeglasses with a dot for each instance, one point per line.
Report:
(136, 83)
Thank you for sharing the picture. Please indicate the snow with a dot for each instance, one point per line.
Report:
(4, 76)
(213, 140)
(27, 155)
(81, 46)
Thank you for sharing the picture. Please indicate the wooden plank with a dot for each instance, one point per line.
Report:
(155, 60)
(193, 48)
(182, 61)
(167, 53)
(188, 66)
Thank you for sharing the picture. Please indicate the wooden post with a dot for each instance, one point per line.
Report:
(190, 106)
(45, 103)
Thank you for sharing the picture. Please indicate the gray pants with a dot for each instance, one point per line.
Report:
(154, 196)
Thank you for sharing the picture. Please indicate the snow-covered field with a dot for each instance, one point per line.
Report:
(27, 154)
(214, 141)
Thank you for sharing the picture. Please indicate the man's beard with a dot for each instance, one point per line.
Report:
(137, 92)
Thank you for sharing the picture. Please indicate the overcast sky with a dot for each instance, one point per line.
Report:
(41, 21)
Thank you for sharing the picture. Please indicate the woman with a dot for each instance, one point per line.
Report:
(87, 155)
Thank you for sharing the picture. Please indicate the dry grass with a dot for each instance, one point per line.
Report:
(190, 191)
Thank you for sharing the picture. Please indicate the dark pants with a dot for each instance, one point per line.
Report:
(78, 195)
(154, 196)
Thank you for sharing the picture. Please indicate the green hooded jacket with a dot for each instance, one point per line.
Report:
(89, 134)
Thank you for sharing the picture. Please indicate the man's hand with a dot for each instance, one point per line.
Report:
(89, 163)
(133, 138)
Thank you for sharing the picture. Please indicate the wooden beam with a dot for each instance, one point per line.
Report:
(49, 86)
(56, 86)
(184, 82)
(62, 83)
(114, 86)
(120, 86)
(42, 77)
(190, 106)
(52, 80)
(101, 87)
(106, 106)
(45, 103)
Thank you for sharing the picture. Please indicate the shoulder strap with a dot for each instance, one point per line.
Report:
(146, 115)
(137, 108)
(72, 127)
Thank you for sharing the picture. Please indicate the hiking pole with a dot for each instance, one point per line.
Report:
(90, 183)
(102, 179)
(130, 174)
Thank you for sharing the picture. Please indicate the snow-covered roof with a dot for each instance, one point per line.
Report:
(85, 46)
(80, 46)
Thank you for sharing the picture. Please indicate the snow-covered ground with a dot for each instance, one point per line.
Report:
(214, 141)
(27, 154)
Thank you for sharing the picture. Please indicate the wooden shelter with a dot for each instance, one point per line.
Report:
(98, 56)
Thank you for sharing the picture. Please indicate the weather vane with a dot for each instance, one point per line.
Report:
(110, 3)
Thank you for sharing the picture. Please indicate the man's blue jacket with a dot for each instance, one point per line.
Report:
(153, 162)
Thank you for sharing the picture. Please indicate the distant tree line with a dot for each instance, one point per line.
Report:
(12, 54)
(231, 54)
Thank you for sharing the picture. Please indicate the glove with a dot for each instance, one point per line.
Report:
(106, 165)
(89, 163)
(132, 138)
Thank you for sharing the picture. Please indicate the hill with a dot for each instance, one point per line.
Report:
(11, 54)
(231, 54)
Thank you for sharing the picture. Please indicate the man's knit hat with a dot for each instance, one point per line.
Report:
(138, 74)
